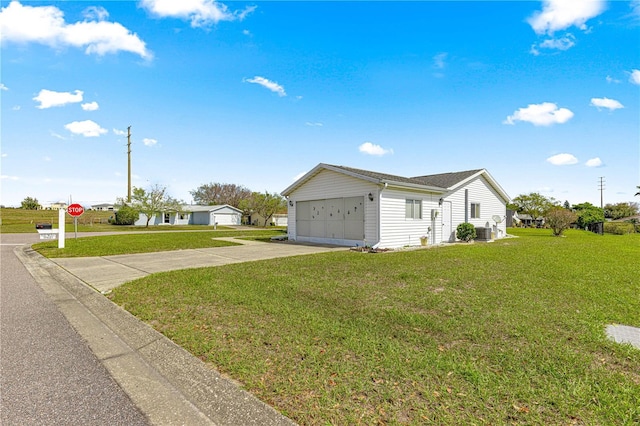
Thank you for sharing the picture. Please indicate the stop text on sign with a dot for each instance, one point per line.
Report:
(75, 210)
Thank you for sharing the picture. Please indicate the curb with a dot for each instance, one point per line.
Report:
(167, 383)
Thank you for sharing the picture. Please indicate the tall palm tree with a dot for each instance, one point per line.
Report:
(638, 193)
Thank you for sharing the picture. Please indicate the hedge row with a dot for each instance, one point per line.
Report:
(620, 228)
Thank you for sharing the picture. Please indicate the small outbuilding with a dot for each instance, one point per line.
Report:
(354, 207)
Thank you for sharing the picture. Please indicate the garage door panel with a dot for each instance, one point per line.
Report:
(354, 208)
(335, 209)
(317, 229)
(333, 218)
(335, 229)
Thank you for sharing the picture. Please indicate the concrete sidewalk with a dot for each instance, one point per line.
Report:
(169, 385)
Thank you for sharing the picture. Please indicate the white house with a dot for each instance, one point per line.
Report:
(104, 207)
(196, 215)
(346, 206)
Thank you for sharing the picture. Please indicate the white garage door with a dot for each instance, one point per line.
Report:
(331, 219)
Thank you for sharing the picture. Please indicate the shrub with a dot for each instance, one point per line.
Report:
(466, 232)
(126, 215)
(559, 219)
(618, 228)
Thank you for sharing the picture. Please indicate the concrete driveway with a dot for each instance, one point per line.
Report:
(108, 272)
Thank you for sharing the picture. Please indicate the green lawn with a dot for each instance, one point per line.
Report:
(510, 332)
(147, 242)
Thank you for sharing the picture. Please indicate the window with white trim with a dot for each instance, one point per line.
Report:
(475, 211)
(413, 209)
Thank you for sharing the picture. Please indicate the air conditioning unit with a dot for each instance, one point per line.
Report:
(483, 234)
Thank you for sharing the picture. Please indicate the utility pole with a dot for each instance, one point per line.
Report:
(601, 188)
(129, 164)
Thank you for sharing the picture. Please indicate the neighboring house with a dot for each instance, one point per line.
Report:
(257, 219)
(196, 215)
(104, 207)
(346, 206)
(525, 220)
(56, 206)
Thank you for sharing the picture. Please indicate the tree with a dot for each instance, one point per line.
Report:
(567, 205)
(220, 193)
(265, 204)
(30, 204)
(126, 215)
(588, 214)
(153, 201)
(559, 219)
(637, 193)
(533, 204)
(620, 210)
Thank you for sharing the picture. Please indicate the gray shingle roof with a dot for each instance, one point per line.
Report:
(441, 180)
(446, 180)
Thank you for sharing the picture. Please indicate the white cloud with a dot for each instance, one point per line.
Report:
(86, 128)
(372, 149)
(3, 87)
(610, 104)
(635, 7)
(313, 124)
(16, 108)
(594, 162)
(271, 85)
(49, 98)
(439, 60)
(119, 132)
(95, 13)
(634, 78)
(544, 114)
(46, 25)
(57, 136)
(562, 43)
(201, 13)
(90, 106)
(612, 80)
(149, 141)
(561, 14)
(562, 159)
(7, 177)
(4, 155)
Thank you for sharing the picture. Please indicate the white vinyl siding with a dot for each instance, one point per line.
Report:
(480, 192)
(399, 231)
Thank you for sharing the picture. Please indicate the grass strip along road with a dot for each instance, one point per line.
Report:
(500, 333)
(147, 242)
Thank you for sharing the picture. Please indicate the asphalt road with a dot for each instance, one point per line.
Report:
(48, 374)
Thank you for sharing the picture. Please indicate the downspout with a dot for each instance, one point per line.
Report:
(379, 230)
(466, 205)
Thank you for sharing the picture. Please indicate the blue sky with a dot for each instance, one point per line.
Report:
(544, 95)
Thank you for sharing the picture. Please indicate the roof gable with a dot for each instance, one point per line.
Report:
(443, 182)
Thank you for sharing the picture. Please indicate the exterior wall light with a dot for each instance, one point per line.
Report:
(370, 197)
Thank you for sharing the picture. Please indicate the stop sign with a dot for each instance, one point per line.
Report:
(75, 210)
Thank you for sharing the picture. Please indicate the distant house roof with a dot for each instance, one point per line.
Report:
(439, 183)
(197, 208)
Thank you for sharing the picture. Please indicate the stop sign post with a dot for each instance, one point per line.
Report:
(75, 211)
